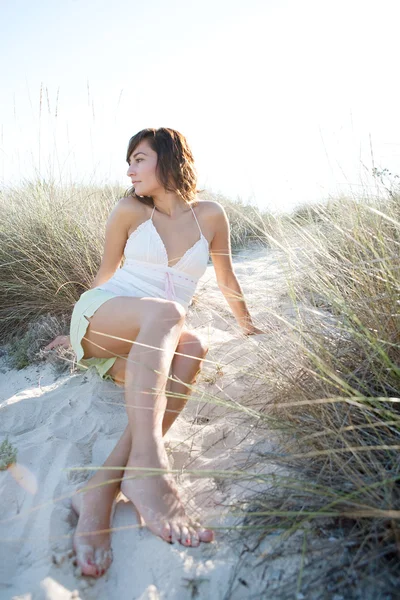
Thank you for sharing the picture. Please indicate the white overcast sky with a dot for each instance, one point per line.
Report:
(280, 100)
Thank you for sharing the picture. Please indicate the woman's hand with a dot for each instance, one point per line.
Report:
(252, 330)
(60, 340)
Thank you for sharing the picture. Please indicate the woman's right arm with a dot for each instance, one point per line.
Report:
(116, 235)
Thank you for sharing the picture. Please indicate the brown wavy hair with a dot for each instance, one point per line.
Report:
(175, 163)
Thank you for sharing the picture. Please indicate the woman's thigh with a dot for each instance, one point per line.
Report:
(190, 344)
(116, 323)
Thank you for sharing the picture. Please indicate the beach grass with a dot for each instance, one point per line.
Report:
(326, 383)
(341, 401)
(51, 247)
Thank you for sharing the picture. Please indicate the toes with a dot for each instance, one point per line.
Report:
(103, 559)
(176, 532)
(93, 562)
(185, 536)
(86, 560)
(166, 533)
(194, 536)
(205, 535)
(88, 569)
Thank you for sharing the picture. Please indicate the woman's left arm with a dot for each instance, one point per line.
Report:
(234, 296)
(221, 255)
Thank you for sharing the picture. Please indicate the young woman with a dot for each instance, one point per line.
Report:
(130, 326)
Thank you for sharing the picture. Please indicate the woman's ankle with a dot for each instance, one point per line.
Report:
(148, 454)
(103, 484)
(146, 440)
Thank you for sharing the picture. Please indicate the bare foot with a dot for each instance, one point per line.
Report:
(157, 500)
(93, 550)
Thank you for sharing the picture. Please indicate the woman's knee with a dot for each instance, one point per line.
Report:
(167, 313)
(189, 343)
(192, 344)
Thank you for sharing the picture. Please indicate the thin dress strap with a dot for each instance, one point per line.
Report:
(194, 214)
(201, 233)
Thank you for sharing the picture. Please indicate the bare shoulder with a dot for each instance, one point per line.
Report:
(213, 213)
(214, 219)
(133, 210)
(129, 204)
(210, 207)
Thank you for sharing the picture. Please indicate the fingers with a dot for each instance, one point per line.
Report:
(60, 340)
(55, 342)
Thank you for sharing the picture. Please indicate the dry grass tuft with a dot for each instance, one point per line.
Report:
(51, 245)
(340, 400)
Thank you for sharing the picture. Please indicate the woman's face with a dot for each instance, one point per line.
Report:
(142, 170)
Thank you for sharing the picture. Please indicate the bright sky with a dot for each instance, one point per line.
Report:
(280, 100)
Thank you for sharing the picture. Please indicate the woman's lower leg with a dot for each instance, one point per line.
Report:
(146, 376)
(184, 370)
(104, 485)
(146, 481)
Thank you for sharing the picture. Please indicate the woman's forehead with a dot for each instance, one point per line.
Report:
(142, 147)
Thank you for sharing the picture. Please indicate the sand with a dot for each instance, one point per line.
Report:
(74, 420)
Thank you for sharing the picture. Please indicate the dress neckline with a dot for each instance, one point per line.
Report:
(175, 266)
(164, 247)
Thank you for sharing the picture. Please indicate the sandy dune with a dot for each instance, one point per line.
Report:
(74, 420)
